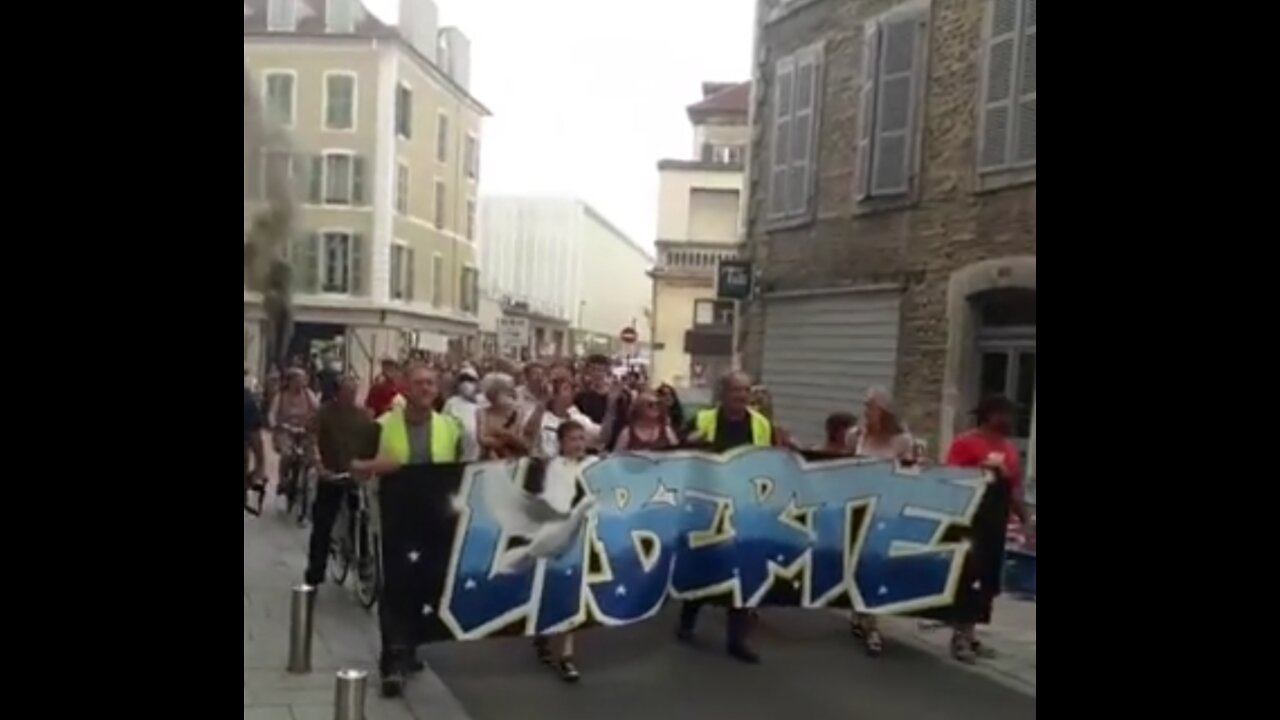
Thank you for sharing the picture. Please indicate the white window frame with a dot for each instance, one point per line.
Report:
(351, 178)
(355, 101)
(465, 299)
(438, 209)
(402, 194)
(403, 247)
(407, 87)
(442, 127)
(322, 257)
(293, 95)
(328, 17)
(437, 280)
(471, 222)
(273, 24)
(267, 154)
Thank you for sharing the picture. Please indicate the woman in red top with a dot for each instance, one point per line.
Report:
(988, 446)
(650, 428)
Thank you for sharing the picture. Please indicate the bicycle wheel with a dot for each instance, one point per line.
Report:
(368, 568)
(340, 549)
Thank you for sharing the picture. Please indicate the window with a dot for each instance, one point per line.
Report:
(339, 101)
(473, 156)
(281, 97)
(713, 312)
(282, 15)
(471, 219)
(437, 280)
(797, 104)
(329, 262)
(727, 154)
(277, 167)
(343, 179)
(402, 189)
(404, 112)
(442, 139)
(340, 16)
(889, 103)
(468, 299)
(1008, 135)
(440, 205)
(401, 272)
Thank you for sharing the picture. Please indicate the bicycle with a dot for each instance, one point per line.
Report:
(295, 474)
(355, 543)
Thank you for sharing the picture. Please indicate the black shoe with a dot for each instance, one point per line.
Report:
(392, 686)
(744, 654)
(569, 671)
(542, 648)
(413, 665)
(685, 635)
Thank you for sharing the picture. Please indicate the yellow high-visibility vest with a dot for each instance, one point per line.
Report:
(394, 443)
(708, 421)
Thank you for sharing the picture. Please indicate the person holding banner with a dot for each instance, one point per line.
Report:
(413, 435)
(649, 430)
(732, 424)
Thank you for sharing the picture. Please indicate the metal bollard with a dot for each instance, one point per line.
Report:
(300, 628)
(348, 697)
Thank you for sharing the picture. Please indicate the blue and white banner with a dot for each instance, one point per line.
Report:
(531, 548)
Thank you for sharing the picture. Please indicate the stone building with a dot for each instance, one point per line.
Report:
(892, 208)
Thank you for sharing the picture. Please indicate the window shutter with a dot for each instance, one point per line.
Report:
(784, 78)
(357, 180)
(315, 181)
(867, 108)
(804, 114)
(304, 261)
(1001, 63)
(896, 107)
(408, 273)
(1025, 144)
(355, 268)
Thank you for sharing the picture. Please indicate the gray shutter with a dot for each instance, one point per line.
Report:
(409, 273)
(867, 108)
(253, 170)
(999, 83)
(784, 78)
(355, 266)
(357, 180)
(804, 114)
(315, 181)
(304, 261)
(1024, 148)
(896, 104)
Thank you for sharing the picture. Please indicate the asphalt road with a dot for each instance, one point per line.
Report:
(812, 670)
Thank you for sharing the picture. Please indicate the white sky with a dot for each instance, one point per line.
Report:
(588, 95)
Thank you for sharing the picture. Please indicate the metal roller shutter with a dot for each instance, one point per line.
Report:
(822, 353)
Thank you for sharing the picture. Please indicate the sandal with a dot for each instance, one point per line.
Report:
(963, 651)
(569, 671)
(875, 643)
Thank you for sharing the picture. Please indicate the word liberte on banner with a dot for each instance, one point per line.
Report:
(754, 527)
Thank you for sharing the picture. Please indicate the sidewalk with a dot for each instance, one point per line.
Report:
(1012, 636)
(345, 637)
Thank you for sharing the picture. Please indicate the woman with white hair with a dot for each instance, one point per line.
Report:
(882, 436)
(498, 422)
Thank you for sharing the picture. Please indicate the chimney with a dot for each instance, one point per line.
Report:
(455, 56)
(419, 21)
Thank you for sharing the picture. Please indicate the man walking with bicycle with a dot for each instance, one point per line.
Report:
(342, 431)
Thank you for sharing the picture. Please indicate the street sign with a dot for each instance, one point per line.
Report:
(630, 336)
(513, 336)
(735, 279)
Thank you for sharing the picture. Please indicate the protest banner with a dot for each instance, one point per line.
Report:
(480, 551)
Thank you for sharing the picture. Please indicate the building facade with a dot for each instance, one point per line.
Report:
(893, 209)
(699, 216)
(561, 265)
(380, 137)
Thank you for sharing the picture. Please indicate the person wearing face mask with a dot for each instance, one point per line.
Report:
(463, 407)
(498, 425)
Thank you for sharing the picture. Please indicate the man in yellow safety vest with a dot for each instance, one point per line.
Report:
(730, 425)
(411, 435)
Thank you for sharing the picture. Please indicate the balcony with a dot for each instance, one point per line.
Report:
(691, 260)
(709, 341)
